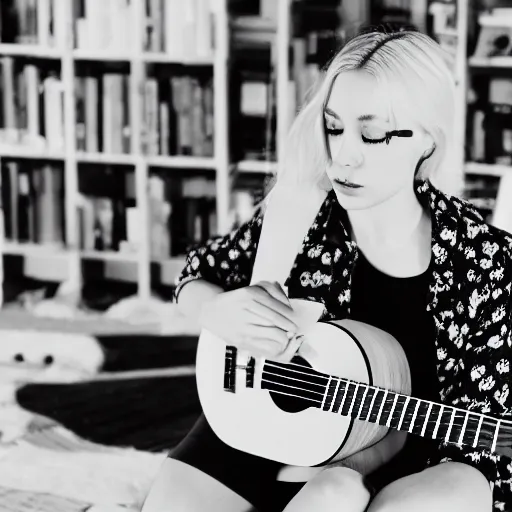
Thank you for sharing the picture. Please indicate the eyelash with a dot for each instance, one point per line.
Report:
(338, 131)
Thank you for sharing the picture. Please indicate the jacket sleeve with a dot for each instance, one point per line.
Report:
(226, 261)
(486, 389)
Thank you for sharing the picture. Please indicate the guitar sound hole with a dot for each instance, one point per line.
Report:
(289, 403)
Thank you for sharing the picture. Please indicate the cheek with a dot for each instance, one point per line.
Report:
(390, 162)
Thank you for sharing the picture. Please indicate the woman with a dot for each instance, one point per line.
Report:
(387, 247)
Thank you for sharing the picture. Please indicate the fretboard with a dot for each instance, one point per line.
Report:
(387, 408)
(413, 415)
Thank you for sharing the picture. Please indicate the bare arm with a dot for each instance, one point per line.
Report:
(194, 295)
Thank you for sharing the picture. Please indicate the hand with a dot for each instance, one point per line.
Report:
(256, 318)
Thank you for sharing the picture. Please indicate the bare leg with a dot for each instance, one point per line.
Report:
(448, 487)
(183, 488)
(333, 490)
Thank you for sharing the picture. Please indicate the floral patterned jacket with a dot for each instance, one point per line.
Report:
(469, 300)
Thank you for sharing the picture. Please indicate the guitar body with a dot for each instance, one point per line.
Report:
(281, 427)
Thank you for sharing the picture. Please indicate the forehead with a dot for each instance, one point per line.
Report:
(357, 93)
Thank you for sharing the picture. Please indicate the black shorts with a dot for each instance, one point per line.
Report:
(255, 478)
(252, 477)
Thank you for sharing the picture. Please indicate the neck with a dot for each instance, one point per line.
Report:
(390, 224)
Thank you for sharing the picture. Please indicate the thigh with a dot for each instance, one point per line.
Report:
(253, 478)
(336, 489)
(448, 487)
(179, 486)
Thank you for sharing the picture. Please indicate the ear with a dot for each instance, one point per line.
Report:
(429, 144)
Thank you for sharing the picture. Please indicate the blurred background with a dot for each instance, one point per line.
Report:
(133, 130)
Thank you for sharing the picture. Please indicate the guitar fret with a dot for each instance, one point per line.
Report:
(495, 439)
(326, 391)
(382, 405)
(340, 395)
(345, 393)
(353, 401)
(388, 423)
(436, 428)
(463, 431)
(335, 395)
(447, 437)
(475, 442)
(362, 402)
(404, 409)
(411, 426)
(425, 422)
(370, 409)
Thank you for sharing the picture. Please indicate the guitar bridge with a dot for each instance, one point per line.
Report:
(235, 363)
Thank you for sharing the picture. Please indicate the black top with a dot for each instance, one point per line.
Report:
(398, 306)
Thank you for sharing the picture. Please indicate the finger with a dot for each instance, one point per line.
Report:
(276, 291)
(270, 317)
(264, 347)
(293, 346)
(261, 296)
(278, 336)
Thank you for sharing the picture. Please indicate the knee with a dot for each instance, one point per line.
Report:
(448, 487)
(458, 472)
(332, 490)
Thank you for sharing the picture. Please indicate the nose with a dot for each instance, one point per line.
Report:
(346, 151)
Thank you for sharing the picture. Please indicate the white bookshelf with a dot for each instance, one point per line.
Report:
(500, 206)
(64, 264)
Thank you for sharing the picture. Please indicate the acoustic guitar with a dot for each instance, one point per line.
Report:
(346, 386)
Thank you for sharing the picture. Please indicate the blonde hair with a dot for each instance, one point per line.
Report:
(416, 72)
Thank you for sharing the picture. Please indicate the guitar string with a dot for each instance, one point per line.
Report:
(444, 408)
(376, 388)
(441, 422)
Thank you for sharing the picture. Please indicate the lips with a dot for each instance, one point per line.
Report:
(348, 184)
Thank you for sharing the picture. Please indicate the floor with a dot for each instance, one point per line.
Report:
(150, 414)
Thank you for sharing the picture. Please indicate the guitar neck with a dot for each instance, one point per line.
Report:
(394, 410)
(412, 415)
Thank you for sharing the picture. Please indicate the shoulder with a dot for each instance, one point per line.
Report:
(475, 234)
(487, 241)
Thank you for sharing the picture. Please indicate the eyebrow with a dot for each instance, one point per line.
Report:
(364, 117)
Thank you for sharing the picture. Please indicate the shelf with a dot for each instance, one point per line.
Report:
(109, 256)
(41, 262)
(101, 55)
(491, 62)
(177, 162)
(26, 152)
(253, 24)
(32, 249)
(487, 169)
(256, 166)
(165, 58)
(30, 50)
(105, 158)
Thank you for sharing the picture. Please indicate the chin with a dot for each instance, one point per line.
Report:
(360, 202)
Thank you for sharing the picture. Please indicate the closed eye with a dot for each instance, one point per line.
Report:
(373, 141)
(335, 132)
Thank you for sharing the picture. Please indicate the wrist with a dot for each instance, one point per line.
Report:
(204, 311)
